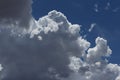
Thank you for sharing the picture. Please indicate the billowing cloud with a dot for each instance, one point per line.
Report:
(53, 49)
(17, 12)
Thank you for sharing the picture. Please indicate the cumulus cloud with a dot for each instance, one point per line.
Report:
(100, 50)
(53, 49)
(17, 12)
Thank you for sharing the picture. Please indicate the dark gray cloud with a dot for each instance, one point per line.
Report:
(15, 11)
(29, 59)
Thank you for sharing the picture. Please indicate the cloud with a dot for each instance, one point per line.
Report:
(108, 6)
(92, 26)
(116, 9)
(96, 8)
(17, 12)
(27, 57)
(100, 50)
(53, 49)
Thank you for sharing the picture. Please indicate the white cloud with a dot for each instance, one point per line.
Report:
(93, 66)
(100, 50)
(53, 49)
(75, 63)
(118, 78)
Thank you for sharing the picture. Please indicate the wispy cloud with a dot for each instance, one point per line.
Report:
(92, 26)
(96, 8)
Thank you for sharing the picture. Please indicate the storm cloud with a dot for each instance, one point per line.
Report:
(17, 12)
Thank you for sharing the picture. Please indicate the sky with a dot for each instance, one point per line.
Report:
(59, 40)
(104, 13)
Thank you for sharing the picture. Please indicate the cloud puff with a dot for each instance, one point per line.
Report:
(17, 12)
(53, 49)
(100, 50)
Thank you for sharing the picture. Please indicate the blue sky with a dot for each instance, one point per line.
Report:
(104, 13)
